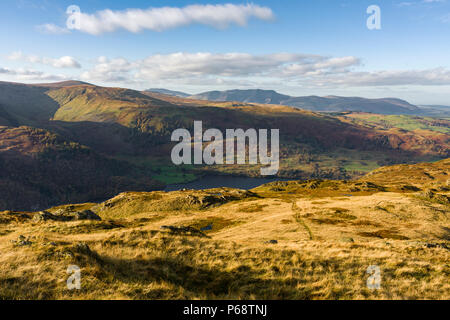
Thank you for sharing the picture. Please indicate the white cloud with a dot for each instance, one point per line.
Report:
(31, 75)
(234, 70)
(405, 4)
(160, 19)
(114, 70)
(241, 69)
(429, 77)
(419, 3)
(62, 62)
(227, 65)
(51, 28)
(16, 55)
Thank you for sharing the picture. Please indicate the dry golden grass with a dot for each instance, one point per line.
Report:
(326, 240)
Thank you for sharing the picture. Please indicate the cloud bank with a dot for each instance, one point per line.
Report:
(208, 69)
(228, 65)
(241, 68)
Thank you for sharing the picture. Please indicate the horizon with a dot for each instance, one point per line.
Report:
(198, 93)
(324, 48)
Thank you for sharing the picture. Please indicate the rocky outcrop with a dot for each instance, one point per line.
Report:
(65, 215)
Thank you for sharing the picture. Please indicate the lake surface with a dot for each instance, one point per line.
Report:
(211, 182)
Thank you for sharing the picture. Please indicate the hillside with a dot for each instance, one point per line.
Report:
(431, 175)
(134, 128)
(309, 146)
(314, 103)
(286, 240)
(24, 104)
(40, 169)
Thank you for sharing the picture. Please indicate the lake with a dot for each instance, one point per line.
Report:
(211, 182)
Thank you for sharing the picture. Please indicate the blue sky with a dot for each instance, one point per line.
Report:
(297, 47)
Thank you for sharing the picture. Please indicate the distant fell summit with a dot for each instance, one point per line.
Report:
(169, 92)
(313, 103)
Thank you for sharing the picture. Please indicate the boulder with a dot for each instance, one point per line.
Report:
(43, 216)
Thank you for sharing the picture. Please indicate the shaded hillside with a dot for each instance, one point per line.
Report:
(6, 119)
(314, 103)
(39, 168)
(25, 104)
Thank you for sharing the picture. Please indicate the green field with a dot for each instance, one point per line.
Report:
(410, 123)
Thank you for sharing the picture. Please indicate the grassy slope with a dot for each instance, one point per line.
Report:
(420, 175)
(410, 123)
(328, 233)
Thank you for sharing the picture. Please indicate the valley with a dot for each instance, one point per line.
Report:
(130, 132)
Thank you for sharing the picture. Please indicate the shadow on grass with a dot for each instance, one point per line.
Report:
(197, 280)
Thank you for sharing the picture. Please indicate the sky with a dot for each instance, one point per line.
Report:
(297, 47)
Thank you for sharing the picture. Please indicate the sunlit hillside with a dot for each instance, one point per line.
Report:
(285, 240)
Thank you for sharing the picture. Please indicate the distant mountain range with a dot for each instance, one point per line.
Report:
(388, 106)
(436, 110)
(314, 103)
(169, 92)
